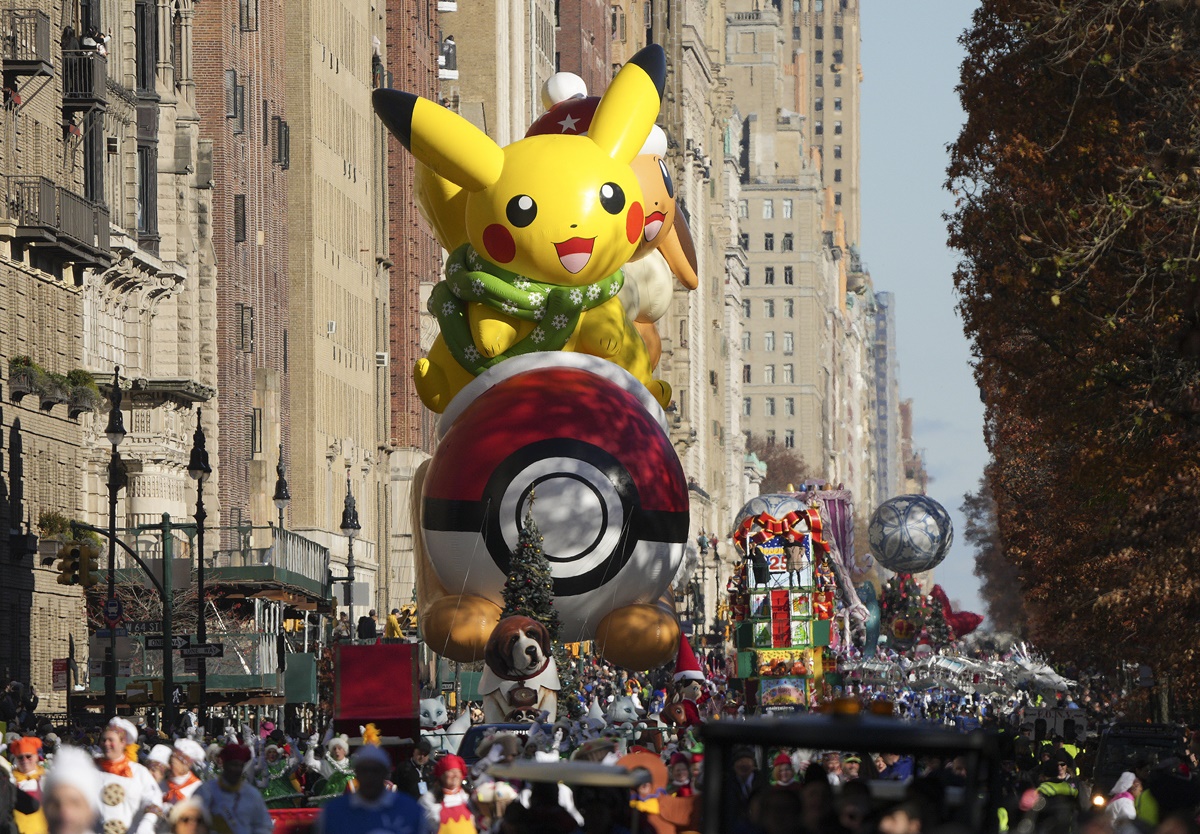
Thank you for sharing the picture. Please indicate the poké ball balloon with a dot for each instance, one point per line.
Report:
(587, 444)
(910, 533)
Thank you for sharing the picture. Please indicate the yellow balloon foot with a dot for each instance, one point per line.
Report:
(638, 636)
(432, 386)
(661, 390)
(458, 627)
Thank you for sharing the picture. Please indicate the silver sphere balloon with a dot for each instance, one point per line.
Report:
(910, 533)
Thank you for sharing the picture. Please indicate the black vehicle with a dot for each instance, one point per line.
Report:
(1128, 747)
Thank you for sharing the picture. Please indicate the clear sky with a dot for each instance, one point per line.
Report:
(910, 62)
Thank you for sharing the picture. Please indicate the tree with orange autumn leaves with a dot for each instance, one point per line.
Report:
(1077, 216)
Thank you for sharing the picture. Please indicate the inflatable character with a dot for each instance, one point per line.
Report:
(666, 246)
(538, 232)
(520, 677)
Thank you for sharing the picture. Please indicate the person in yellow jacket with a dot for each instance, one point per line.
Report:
(392, 629)
(27, 772)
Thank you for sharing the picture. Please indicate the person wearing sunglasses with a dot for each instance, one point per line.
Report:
(27, 772)
(188, 817)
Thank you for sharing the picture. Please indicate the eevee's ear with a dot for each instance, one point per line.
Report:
(629, 106)
(446, 142)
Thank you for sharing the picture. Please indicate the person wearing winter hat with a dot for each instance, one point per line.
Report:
(680, 769)
(182, 781)
(130, 798)
(335, 768)
(28, 773)
(783, 772)
(71, 793)
(372, 807)
(1122, 798)
(236, 806)
(275, 776)
(447, 807)
(189, 817)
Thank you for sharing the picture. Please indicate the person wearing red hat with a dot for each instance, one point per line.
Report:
(680, 768)
(783, 772)
(688, 690)
(27, 772)
(236, 806)
(447, 806)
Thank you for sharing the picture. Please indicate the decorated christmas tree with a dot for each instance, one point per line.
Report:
(529, 589)
(909, 616)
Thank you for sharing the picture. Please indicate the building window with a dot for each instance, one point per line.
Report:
(838, 33)
(789, 407)
(147, 190)
(769, 341)
(746, 406)
(145, 32)
(769, 308)
(746, 278)
(818, 6)
(818, 128)
(768, 242)
(769, 374)
(743, 209)
(746, 308)
(789, 277)
(746, 376)
(818, 104)
(837, 151)
(618, 23)
(837, 174)
(795, 6)
(789, 370)
(768, 209)
(795, 33)
(837, 79)
(787, 208)
(837, 198)
(245, 324)
(769, 406)
(819, 56)
(789, 308)
(819, 32)
(837, 105)
(770, 437)
(256, 431)
(239, 218)
(837, 56)
(746, 337)
(248, 15)
(820, 80)
(837, 128)
(769, 275)
(789, 439)
(786, 244)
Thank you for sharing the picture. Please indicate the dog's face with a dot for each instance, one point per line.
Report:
(518, 648)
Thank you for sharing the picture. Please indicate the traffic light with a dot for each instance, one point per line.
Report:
(89, 565)
(68, 565)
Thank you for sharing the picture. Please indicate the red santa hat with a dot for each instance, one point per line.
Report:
(687, 668)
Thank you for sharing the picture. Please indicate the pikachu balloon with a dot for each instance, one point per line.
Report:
(538, 232)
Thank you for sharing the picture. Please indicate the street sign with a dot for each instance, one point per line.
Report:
(145, 627)
(178, 641)
(447, 686)
(104, 632)
(60, 673)
(203, 650)
(96, 668)
(99, 643)
(113, 610)
(191, 665)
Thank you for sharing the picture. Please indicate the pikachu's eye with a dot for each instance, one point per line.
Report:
(521, 210)
(612, 197)
(666, 175)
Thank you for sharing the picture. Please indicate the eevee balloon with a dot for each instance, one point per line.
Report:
(548, 222)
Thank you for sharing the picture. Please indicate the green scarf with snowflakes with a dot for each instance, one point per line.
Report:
(555, 308)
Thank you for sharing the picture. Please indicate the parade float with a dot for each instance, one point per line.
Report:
(543, 376)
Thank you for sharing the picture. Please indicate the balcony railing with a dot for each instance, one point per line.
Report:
(85, 78)
(291, 559)
(52, 215)
(26, 42)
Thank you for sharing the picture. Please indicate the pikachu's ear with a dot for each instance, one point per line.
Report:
(629, 106)
(450, 145)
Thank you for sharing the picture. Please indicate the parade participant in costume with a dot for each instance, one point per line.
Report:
(372, 807)
(783, 774)
(447, 805)
(688, 690)
(236, 807)
(156, 762)
(71, 793)
(680, 767)
(189, 817)
(1122, 798)
(28, 773)
(335, 768)
(130, 799)
(275, 775)
(186, 757)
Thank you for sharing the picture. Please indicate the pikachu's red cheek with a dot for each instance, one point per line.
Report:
(635, 222)
(499, 243)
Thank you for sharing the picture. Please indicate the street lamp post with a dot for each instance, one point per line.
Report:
(282, 496)
(199, 470)
(350, 529)
(702, 542)
(115, 432)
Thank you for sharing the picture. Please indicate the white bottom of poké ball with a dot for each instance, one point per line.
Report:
(610, 494)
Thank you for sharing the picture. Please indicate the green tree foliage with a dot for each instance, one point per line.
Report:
(785, 467)
(529, 588)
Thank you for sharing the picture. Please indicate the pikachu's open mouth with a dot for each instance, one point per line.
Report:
(575, 253)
